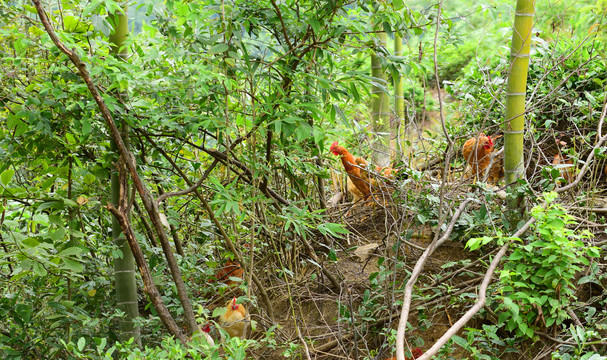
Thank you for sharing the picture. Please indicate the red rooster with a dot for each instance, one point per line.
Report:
(230, 269)
(376, 184)
(352, 170)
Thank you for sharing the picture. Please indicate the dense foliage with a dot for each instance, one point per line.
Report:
(244, 98)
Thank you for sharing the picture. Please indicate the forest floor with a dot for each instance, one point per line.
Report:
(370, 293)
(370, 276)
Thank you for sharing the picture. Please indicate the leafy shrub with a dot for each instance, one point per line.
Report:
(537, 282)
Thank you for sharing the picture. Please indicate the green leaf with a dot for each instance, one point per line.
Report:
(315, 25)
(39, 269)
(70, 251)
(473, 243)
(6, 176)
(24, 313)
(81, 343)
(460, 341)
(57, 235)
(72, 265)
(219, 48)
(332, 255)
(31, 242)
(219, 311)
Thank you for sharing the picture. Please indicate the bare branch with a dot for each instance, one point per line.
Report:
(588, 161)
(402, 325)
(482, 297)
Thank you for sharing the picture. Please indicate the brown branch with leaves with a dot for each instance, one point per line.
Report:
(150, 288)
(129, 160)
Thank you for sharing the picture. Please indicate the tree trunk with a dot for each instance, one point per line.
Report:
(124, 267)
(515, 97)
(380, 114)
(399, 101)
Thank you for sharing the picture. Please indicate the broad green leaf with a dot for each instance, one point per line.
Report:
(315, 25)
(81, 343)
(30, 242)
(57, 235)
(23, 312)
(39, 269)
(72, 265)
(7, 176)
(70, 251)
(219, 48)
(218, 311)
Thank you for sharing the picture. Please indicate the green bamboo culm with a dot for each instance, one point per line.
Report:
(514, 125)
(124, 267)
(380, 113)
(399, 99)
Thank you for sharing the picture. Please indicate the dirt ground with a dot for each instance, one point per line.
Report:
(367, 255)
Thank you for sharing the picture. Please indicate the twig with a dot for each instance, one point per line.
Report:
(440, 101)
(480, 303)
(305, 345)
(354, 330)
(402, 325)
(577, 322)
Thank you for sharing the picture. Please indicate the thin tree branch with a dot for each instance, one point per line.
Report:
(588, 161)
(129, 160)
(482, 297)
(402, 325)
(121, 214)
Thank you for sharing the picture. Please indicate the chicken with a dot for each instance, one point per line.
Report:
(352, 189)
(364, 172)
(497, 170)
(478, 156)
(203, 333)
(385, 172)
(417, 352)
(230, 269)
(352, 170)
(235, 320)
(561, 160)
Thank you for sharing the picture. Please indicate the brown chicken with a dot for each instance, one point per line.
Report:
(385, 172)
(497, 170)
(364, 172)
(563, 161)
(352, 170)
(417, 352)
(477, 153)
(235, 320)
(230, 269)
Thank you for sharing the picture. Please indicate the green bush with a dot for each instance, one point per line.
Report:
(538, 279)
